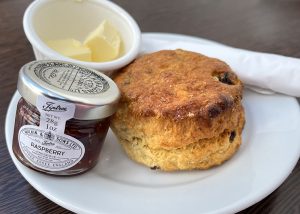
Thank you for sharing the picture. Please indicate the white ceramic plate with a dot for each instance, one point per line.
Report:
(270, 150)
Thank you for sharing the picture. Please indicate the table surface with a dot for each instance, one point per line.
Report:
(261, 25)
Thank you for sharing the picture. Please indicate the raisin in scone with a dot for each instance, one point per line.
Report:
(179, 110)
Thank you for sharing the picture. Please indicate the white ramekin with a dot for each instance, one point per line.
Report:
(59, 19)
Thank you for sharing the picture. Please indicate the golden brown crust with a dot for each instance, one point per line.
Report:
(178, 84)
(179, 105)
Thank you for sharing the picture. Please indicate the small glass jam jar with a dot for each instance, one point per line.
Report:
(62, 117)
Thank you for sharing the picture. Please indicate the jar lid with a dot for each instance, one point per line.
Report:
(94, 94)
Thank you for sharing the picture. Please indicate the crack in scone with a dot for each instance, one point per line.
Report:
(199, 155)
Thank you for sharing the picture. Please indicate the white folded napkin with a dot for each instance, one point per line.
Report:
(265, 71)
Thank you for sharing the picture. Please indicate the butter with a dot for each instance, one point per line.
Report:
(71, 48)
(104, 42)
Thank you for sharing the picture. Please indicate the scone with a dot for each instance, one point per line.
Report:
(179, 110)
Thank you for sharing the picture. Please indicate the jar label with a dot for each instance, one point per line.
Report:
(46, 146)
(70, 77)
(48, 150)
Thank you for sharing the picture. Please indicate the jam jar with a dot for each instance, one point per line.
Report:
(62, 117)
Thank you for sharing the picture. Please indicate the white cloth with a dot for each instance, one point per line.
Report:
(266, 71)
